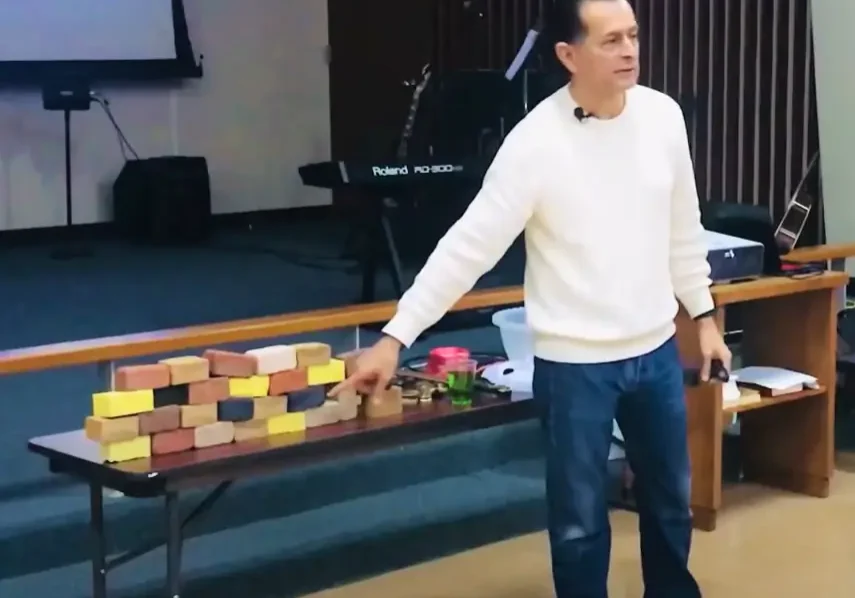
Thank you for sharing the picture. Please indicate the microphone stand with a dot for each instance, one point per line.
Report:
(521, 59)
(68, 99)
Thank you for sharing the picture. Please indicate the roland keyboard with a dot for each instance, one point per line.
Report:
(392, 174)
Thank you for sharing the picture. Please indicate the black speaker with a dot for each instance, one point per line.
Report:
(165, 200)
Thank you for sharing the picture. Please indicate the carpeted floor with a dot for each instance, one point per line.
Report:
(286, 535)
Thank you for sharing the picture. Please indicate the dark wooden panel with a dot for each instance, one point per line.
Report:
(376, 45)
(742, 69)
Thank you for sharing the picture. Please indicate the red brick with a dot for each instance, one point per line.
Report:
(291, 381)
(141, 377)
(162, 419)
(207, 391)
(173, 441)
(230, 364)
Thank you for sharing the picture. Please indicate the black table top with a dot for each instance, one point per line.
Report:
(72, 453)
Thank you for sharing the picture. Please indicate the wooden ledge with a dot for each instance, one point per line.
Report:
(820, 253)
(178, 339)
(765, 288)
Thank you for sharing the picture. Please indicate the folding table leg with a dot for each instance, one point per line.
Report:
(98, 548)
(173, 546)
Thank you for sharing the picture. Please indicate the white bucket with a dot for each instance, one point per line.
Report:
(517, 338)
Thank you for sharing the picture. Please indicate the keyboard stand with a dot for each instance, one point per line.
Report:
(379, 238)
(375, 224)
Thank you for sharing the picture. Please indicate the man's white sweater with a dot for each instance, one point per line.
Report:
(612, 231)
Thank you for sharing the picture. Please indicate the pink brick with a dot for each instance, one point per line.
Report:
(230, 364)
(141, 377)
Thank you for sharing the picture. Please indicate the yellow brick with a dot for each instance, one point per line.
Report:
(249, 388)
(286, 423)
(121, 403)
(116, 452)
(330, 373)
(282, 440)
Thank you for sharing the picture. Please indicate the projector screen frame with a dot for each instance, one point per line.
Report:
(38, 74)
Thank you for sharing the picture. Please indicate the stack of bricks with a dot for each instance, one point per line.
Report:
(385, 403)
(186, 403)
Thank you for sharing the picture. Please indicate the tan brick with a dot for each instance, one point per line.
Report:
(186, 369)
(111, 430)
(193, 416)
(214, 434)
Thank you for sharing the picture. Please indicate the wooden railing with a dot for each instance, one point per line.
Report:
(821, 253)
(105, 351)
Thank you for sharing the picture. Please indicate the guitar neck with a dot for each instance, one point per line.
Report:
(407, 133)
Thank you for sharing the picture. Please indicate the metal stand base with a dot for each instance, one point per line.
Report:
(380, 239)
(101, 565)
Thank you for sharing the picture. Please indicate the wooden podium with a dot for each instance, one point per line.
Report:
(787, 441)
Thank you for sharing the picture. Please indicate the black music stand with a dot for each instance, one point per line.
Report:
(68, 98)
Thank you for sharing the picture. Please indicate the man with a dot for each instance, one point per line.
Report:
(600, 179)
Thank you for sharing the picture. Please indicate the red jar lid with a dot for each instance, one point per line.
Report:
(441, 356)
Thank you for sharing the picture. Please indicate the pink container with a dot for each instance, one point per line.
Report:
(440, 357)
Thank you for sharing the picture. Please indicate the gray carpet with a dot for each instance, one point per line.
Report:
(285, 535)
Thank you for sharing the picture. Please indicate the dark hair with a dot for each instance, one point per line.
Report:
(564, 20)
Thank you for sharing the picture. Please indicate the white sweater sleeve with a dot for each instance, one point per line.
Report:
(690, 270)
(473, 245)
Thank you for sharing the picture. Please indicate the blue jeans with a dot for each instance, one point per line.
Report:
(578, 404)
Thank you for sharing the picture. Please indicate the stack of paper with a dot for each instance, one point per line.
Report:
(771, 381)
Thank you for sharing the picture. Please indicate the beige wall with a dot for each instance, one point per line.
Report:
(261, 110)
(835, 90)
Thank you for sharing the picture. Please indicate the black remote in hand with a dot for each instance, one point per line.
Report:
(718, 373)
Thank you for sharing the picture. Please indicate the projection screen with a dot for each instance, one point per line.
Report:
(86, 30)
